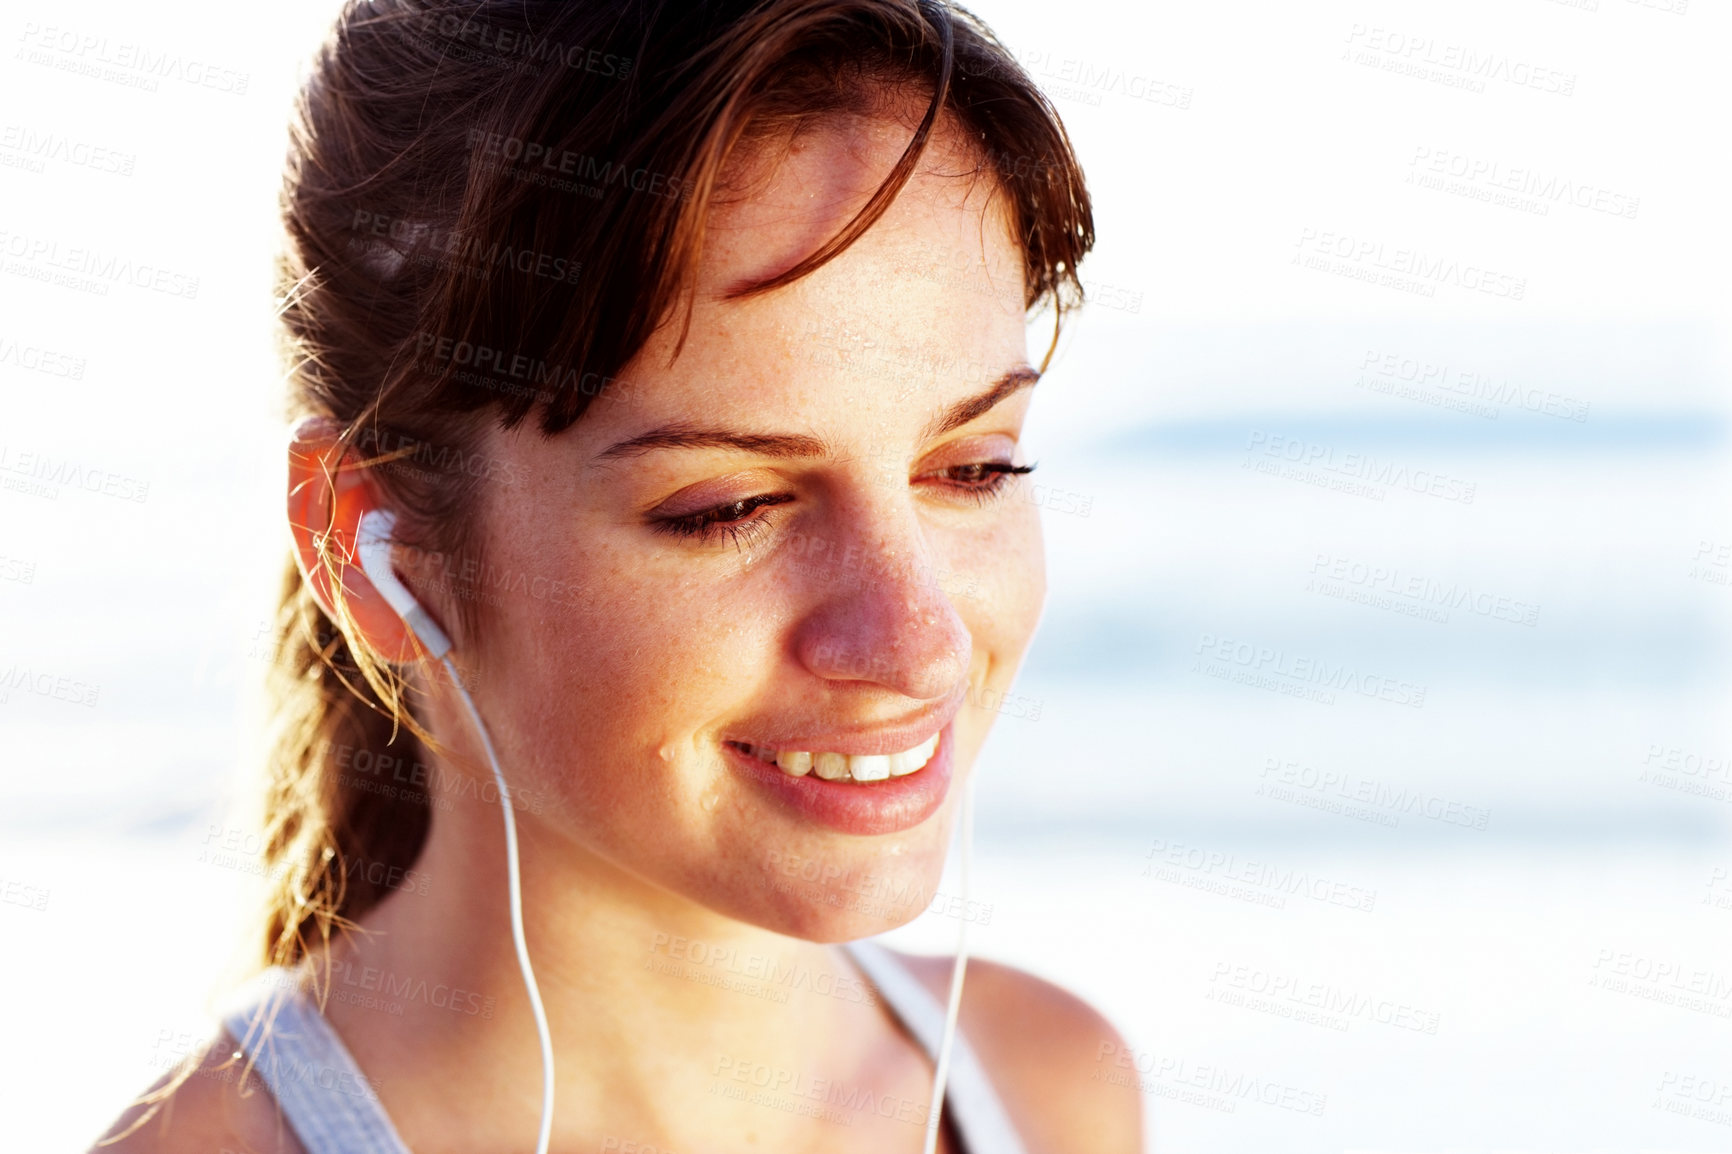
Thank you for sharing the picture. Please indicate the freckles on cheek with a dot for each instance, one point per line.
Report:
(641, 661)
(1002, 586)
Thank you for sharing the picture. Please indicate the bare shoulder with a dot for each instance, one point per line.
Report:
(1048, 1054)
(212, 1109)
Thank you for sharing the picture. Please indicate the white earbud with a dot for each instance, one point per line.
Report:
(373, 546)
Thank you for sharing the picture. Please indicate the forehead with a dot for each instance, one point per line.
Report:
(784, 196)
(928, 303)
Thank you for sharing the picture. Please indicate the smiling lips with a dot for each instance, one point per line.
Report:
(845, 767)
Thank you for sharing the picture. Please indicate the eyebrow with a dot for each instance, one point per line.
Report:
(684, 435)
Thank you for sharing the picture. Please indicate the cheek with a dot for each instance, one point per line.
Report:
(622, 668)
(999, 585)
(999, 596)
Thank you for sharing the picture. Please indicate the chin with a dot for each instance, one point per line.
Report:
(858, 915)
(839, 889)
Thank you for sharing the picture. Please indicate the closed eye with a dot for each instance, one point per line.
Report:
(742, 523)
(735, 519)
(981, 481)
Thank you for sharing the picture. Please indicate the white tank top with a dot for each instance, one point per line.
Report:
(334, 1109)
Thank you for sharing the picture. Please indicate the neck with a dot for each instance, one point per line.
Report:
(654, 1003)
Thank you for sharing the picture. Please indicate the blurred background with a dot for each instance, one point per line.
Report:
(1372, 768)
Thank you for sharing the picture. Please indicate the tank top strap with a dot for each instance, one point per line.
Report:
(971, 1102)
(333, 1107)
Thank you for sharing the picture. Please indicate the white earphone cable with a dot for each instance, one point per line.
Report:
(957, 973)
(374, 547)
(373, 544)
(516, 913)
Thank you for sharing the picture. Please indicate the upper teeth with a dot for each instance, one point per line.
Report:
(848, 766)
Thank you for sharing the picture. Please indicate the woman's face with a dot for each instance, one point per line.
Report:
(799, 536)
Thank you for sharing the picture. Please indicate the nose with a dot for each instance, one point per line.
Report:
(884, 617)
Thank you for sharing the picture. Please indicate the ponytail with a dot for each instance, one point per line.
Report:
(323, 815)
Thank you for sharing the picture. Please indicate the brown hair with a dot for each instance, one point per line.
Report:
(490, 206)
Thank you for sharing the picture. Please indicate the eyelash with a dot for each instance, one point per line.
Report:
(707, 524)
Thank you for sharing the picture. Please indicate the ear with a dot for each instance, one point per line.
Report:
(328, 501)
